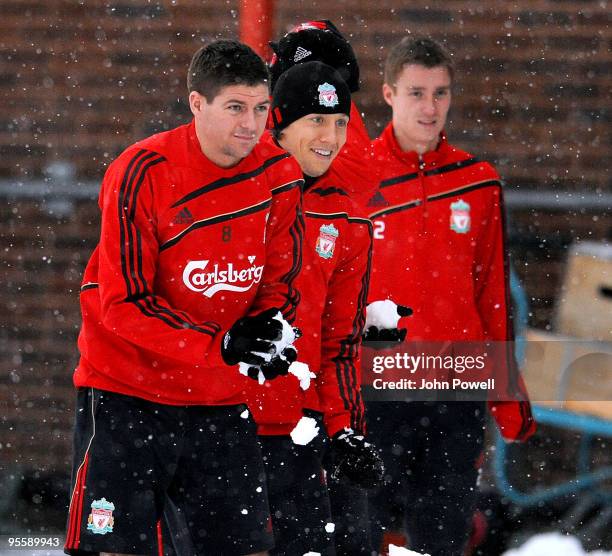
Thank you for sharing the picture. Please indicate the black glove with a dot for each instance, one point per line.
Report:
(277, 366)
(353, 458)
(373, 334)
(320, 41)
(250, 334)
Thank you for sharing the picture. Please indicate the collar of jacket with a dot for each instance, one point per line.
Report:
(430, 158)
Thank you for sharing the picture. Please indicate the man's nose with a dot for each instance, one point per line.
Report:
(327, 133)
(430, 106)
(248, 120)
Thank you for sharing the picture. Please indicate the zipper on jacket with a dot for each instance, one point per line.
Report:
(421, 173)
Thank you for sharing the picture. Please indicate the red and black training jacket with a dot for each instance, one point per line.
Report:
(439, 248)
(186, 248)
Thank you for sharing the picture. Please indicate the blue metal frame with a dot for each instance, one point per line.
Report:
(585, 479)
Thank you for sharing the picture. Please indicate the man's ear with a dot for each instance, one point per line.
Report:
(388, 94)
(195, 102)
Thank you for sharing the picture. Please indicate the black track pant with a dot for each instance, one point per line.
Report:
(430, 450)
(298, 497)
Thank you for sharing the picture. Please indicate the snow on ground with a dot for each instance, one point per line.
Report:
(553, 544)
(31, 552)
(401, 551)
(546, 544)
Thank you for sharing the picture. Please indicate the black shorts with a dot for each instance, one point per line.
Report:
(299, 502)
(131, 455)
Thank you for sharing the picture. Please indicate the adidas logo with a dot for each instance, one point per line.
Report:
(378, 200)
(183, 217)
(300, 54)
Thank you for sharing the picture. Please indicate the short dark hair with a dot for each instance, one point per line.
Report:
(421, 51)
(222, 63)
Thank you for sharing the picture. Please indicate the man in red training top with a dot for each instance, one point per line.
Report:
(354, 168)
(438, 248)
(199, 249)
(310, 111)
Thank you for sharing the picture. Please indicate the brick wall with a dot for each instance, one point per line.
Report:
(80, 81)
(42, 264)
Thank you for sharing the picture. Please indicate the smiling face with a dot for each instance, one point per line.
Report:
(229, 127)
(315, 140)
(420, 99)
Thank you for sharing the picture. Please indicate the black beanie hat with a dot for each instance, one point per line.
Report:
(310, 88)
(315, 40)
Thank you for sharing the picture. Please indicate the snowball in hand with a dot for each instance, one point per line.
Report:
(302, 373)
(382, 315)
(243, 369)
(300, 370)
(304, 431)
(288, 338)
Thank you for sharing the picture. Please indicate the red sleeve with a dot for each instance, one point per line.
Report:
(513, 416)
(489, 272)
(128, 259)
(284, 232)
(339, 383)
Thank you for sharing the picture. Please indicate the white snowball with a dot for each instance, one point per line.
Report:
(304, 431)
(382, 314)
(401, 551)
(302, 373)
(287, 339)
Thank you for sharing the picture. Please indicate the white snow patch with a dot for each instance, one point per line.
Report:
(245, 414)
(302, 373)
(304, 431)
(312, 554)
(401, 551)
(382, 314)
(553, 544)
